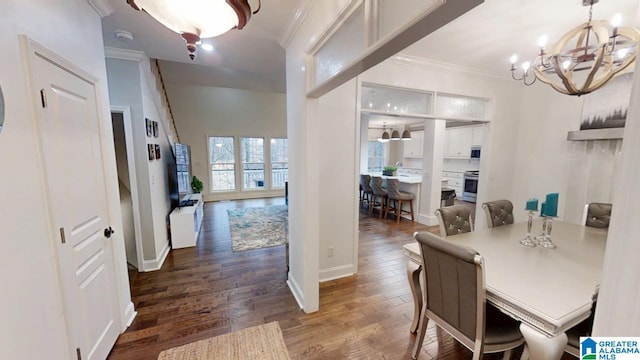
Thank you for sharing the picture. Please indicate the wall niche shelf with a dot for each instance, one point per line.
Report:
(596, 134)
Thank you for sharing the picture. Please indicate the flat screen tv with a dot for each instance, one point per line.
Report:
(180, 176)
(183, 168)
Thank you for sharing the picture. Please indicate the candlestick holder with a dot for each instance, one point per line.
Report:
(544, 240)
(528, 239)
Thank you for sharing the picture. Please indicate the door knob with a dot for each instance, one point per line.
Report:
(108, 232)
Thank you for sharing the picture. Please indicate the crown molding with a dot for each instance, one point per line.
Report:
(404, 59)
(295, 22)
(124, 54)
(102, 7)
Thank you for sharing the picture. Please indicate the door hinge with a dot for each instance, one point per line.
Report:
(78, 353)
(62, 238)
(43, 98)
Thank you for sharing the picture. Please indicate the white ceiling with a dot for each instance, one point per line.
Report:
(252, 58)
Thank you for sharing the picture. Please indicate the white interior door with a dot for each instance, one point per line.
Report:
(74, 170)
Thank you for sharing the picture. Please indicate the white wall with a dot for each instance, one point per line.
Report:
(130, 84)
(618, 310)
(33, 325)
(338, 170)
(203, 111)
(542, 150)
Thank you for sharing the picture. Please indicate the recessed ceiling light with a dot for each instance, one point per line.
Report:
(207, 47)
(124, 35)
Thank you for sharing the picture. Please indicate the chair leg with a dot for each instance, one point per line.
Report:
(411, 206)
(399, 211)
(372, 203)
(386, 210)
(384, 203)
(422, 330)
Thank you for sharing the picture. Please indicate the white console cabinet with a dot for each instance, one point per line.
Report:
(186, 222)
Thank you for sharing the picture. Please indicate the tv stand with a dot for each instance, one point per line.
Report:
(186, 223)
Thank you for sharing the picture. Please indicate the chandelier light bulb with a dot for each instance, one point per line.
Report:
(525, 66)
(542, 41)
(616, 20)
(566, 64)
(513, 59)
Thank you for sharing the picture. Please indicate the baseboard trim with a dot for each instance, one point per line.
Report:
(336, 272)
(429, 220)
(153, 265)
(295, 290)
(129, 314)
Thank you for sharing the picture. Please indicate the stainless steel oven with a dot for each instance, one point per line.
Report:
(470, 186)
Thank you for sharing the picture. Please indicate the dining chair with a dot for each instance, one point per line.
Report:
(454, 220)
(367, 192)
(396, 197)
(499, 212)
(455, 299)
(379, 200)
(582, 329)
(597, 215)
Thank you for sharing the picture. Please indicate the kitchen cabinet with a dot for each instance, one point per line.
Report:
(455, 180)
(476, 136)
(413, 148)
(458, 142)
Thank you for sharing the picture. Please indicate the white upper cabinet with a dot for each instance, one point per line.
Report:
(413, 148)
(476, 137)
(458, 142)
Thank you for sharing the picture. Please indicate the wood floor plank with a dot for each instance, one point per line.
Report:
(209, 290)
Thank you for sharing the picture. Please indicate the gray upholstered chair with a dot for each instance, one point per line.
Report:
(455, 299)
(366, 192)
(379, 200)
(454, 220)
(396, 197)
(597, 215)
(499, 212)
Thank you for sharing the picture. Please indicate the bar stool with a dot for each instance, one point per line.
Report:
(379, 195)
(366, 193)
(396, 197)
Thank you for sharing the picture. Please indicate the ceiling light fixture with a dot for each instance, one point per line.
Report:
(196, 19)
(406, 134)
(385, 134)
(585, 58)
(395, 135)
(124, 35)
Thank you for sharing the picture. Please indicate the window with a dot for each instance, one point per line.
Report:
(222, 163)
(376, 156)
(252, 155)
(279, 163)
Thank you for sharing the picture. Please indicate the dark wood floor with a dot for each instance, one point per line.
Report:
(209, 290)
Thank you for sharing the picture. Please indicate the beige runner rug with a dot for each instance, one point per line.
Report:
(262, 342)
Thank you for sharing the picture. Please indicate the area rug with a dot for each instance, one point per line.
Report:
(263, 342)
(254, 228)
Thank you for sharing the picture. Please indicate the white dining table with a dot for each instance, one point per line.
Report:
(547, 290)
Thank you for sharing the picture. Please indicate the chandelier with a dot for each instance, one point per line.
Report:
(196, 19)
(584, 59)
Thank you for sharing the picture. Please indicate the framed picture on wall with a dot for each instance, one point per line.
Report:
(155, 128)
(157, 147)
(151, 151)
(607, 108)
(149, 125)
